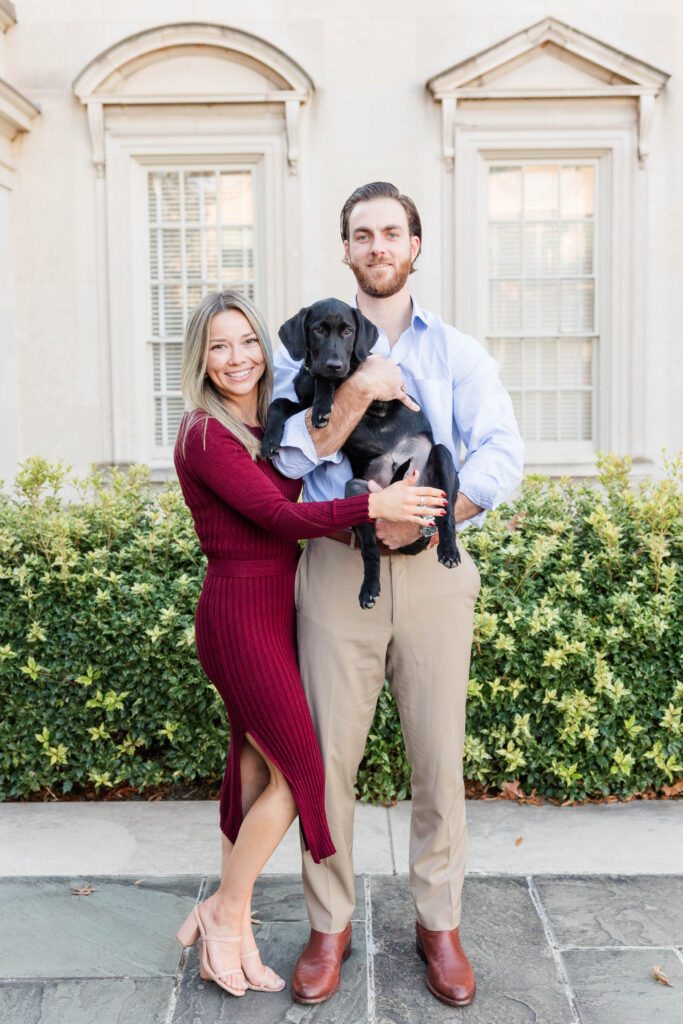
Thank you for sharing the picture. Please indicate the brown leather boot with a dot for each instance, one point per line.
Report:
(449, 976)
(316, 975)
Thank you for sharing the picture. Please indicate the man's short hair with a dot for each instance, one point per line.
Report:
(381, 190)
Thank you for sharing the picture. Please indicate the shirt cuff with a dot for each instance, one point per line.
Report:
(481, 488)
(297, 455)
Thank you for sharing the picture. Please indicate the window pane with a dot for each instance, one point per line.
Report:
(540, 307)
(505, 241)
(540, 192)
(576, 248)
(200, 196)
(508, 354)
(505, 193)
(547, 362)
(505, 307)
(577, 307)
(578, 191)
(540, 249)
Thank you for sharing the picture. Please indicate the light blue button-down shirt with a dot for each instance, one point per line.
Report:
(456, 382)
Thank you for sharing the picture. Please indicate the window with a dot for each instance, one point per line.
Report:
(542, 295)
(201, 239)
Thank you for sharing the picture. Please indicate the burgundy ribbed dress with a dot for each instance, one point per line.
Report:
(248, 522)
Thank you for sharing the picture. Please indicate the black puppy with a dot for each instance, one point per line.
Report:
(389, 443)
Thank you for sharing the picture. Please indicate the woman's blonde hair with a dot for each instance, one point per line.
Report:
(201, 398)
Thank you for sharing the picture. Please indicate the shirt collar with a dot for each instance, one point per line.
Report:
(418, 316)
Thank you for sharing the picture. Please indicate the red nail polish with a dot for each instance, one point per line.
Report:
(443, 494)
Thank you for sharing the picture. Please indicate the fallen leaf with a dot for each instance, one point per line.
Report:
(661, 976)
(512, 791)
(518, 842)
(139, 880)
(85, 890)
(255, 920)
(674, 790)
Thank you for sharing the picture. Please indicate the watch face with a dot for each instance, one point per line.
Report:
(428, 531)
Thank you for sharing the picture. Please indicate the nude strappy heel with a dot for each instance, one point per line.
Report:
(188, 933)
(261, 987)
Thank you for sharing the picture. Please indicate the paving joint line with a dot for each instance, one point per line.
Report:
(679, 953)
(557, 955)
(615, 949)
(392, 851)
(370, 949)
(182, 963)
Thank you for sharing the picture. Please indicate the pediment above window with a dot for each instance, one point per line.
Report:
(549, 60)
(189, 64)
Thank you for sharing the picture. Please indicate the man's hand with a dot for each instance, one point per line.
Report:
(396, 535)
(382, 381)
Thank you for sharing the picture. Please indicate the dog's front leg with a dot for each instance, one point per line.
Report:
(367, 538)
(322, 402)
(278, 411)
(440, 472)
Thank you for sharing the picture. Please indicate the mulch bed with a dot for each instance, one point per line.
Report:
(209, 789)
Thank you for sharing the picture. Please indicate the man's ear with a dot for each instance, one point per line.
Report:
(292, 334)
(366, 335)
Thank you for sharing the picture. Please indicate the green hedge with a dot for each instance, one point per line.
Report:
(575, 684)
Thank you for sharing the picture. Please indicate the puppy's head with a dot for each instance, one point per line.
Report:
(331, 337)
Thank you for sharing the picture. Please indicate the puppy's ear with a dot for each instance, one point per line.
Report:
(292, 334)
(366, 336)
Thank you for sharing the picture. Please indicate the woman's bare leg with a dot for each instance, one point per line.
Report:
(228, 911)
(255, 778)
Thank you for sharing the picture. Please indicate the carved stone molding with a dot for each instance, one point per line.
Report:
(584, 68)
(277, 79)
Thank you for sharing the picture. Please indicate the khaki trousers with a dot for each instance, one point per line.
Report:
(418, 635)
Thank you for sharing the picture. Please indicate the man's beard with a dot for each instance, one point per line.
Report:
(386, 288)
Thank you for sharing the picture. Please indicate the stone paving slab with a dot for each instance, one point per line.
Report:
(105, 1001)
(281, 898)
(121, 930)
(614, 911)
(517, 979)
(617, 986)
(201, 1002)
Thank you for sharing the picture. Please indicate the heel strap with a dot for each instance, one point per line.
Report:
(221, 938)
(254, 952)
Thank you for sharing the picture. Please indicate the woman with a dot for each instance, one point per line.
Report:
(248, 521)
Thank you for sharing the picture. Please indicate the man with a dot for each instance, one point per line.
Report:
(419, 634)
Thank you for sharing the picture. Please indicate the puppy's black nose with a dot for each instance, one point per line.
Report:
(334, 364)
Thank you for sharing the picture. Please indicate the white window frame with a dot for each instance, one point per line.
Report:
(129, 155)
(618, 425)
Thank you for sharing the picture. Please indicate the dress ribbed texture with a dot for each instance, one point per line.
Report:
(248, 522)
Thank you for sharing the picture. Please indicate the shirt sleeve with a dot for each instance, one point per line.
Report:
(226, 467)
(297, 455)
(485, 420)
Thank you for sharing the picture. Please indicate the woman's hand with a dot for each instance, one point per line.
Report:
(404, 502)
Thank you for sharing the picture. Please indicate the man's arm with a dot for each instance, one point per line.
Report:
(377, 379)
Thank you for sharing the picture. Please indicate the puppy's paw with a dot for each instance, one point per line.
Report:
(448, 555)
(368, 595)
(270, 446)
(320, 419)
